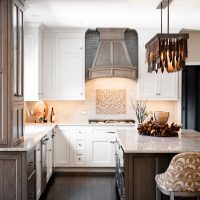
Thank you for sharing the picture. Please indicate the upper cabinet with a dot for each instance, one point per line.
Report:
(64, 65)
(18, 50)
(32, 61)
(11, 72)
(155, 86)
(54, 63)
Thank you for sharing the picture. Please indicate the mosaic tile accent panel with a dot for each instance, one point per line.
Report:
(109, 101)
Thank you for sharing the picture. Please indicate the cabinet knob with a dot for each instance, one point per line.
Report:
(112, 142)
(81, 93)
(79, 159)
(49, 149)
(81, 48)
(80, 145)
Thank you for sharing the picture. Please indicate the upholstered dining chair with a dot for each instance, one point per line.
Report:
(182, 178)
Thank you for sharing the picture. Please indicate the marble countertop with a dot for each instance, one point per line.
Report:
(132, 142)
(32, 136)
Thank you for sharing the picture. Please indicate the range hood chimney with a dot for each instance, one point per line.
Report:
(112, 57)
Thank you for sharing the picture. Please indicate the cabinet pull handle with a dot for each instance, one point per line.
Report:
(31, 195)
(112, 142)
(31, 163)
(80, 145)
(111, 132)
(49, 149)
(18, 140)
(38, 149)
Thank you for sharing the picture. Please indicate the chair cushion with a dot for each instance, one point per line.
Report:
(182, 175)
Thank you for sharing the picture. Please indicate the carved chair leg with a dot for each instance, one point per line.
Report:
(172, 196)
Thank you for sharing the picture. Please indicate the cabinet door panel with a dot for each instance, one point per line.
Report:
(16, 46)
(38, 171)
(101, 152)
(61, 149)
(11, 188)
(70, 76)
(3, 74)
(168, 85)
(18, 122)
(48, 80)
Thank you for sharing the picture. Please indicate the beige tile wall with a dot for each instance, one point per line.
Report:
(81, 111)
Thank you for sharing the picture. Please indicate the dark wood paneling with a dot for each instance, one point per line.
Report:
(3, 74)
(18, 122)
(11, 177)
(140, 171)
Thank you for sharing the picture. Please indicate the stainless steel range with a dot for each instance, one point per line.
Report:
(112, 121)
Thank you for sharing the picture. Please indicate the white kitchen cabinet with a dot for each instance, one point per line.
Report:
(32, 61)
(38, 171)
(155, 86)
(63, 65)
(62, 148)
(85, 146)
(49, 156)
(102, 148)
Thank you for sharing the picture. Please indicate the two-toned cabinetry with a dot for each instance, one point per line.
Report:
(11, 72)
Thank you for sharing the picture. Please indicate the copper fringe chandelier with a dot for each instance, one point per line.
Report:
(167, 51)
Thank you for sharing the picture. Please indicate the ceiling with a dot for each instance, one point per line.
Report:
(112, 13)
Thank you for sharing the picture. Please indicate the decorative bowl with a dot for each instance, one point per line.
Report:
(161, 117)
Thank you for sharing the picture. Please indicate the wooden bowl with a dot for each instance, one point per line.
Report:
(161, 117)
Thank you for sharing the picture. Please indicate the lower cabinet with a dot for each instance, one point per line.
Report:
(31, 175)
(49, 155)
(38, 171)
(61, 148)
(102, 148)
(12, 176)
(85, 146)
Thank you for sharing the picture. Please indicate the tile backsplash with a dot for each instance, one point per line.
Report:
(81, 111)
(110, 101)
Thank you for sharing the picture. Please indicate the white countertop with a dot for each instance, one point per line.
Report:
(132, 142)
(33, 135)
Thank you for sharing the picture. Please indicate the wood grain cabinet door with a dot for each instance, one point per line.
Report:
(3, 74)
(18, 52)
(11, 177)
(18, 122)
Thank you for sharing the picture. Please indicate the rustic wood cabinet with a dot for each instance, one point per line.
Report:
(13, 176)
(11, 72)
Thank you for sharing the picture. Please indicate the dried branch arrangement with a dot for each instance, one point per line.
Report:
(140, 110)
(151, 128)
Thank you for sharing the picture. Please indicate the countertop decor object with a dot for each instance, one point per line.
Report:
(152, 128)
(40, 111)
(167, 51)
(161, 117)
(140, 110)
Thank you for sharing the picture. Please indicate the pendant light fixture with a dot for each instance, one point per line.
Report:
(167, 51)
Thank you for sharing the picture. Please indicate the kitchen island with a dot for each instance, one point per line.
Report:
(146, 156)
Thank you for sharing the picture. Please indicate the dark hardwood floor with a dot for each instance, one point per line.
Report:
(81, 187)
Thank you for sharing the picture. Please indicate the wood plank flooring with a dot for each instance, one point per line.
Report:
(81, 187)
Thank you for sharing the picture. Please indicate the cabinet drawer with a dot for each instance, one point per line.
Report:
(79, 158)
(79, 145)
(31, 188)
(30, 163)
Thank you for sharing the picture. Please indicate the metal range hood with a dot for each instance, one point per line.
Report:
(112, 57)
